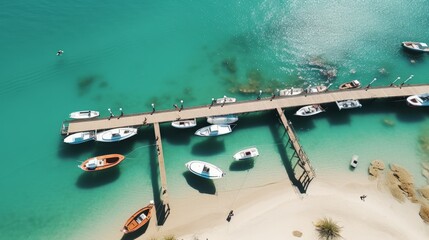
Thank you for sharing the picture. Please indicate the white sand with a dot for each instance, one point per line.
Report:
(274, 211)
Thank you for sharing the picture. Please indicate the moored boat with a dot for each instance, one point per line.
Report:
(80, 137)
(291, 91)
(116, 134)
(224, 119)
(204, 169)
(213, 130)
(309, 110)
(84, 114)
(420, 100)
(350, 85)
(101, 162)
(348, 104)
(246, 154)
(225, 99)
(138, 219)
(186, 123)
(317, 89)
(354, 161)
(416, 46)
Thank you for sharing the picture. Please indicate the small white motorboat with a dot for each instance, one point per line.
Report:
(213, 130)
(115, 135)
(416, 46)
(204, 169)
(317, 89)
(420, 100)
(224, 119)
(186, 123)
(350, 85)
(347, 104)
(84, 114)
(80, 137)
(246, 154)
(291, 91)
(225, 99)
(309, 110)
(354, 161)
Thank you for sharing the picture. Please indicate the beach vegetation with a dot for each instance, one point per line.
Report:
(328, 229)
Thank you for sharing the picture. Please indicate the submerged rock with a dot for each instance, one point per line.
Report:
(297, 233)
(424, 212)
(424, 192)
(406, 181)
(375, 167)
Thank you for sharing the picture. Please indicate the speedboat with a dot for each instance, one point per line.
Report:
(80, 137)
(309, 110)
(84, 114)
(186, 123)
(213, 130)
(224, 119)
(101, 162)
(317, 89)
(416, 46)
(291, 91)
(354, 161)
(246, 154)
(204, 169)
(347, 104)
(138, 219)
(225, 99)
(116, 134)
(420, 100)
(350, 85)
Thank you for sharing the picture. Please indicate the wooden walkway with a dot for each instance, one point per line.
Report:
(163, 175)
(242, 107)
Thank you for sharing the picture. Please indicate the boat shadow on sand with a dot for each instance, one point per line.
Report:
(200, 184)
(242, 165)
(136, 234)
(89, 180)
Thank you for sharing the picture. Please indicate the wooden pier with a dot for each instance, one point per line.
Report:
(264, 104)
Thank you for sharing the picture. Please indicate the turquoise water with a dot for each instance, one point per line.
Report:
(136, 53)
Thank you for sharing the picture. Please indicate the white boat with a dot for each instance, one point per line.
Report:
(204, 169)
(80, 137)
(317, 89)
(115, 135)
(420, 100)
(416, 46)
(225, 99)
(309, 110)
(246, 154)
(354, 161)
(224, 119)
(290, 91)
(84, 114)
(213, 130)
(347, 104)
(350, 85)
(187, 123)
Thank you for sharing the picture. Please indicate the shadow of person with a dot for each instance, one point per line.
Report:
(200, 184)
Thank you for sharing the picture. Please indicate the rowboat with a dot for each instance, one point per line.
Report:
(101, 162)
(115, 135)
(317, 89)
(309, 110)
(420, 100)
(291, 91)
(186, 123)
(348, 104)
(416, 46)
(225, 99)
(350, 85)
(213, 130)
(80, 137)
(204, 169)
(246, 154)
(224, 119)
(84, 114)
(354, 161)
(138, 219)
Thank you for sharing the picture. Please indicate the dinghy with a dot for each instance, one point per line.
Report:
(101, 162)
(350, 85)
(420, 100)
(213, 130)
(80, 137)
(225, 99)
(309, 110)
(188, 123)
(84, 114)
(246, 154)
(115, 135)
(204, 169)
(138, 219)
(224, 119)
(354, 161)
(348, 104)
(416, 46)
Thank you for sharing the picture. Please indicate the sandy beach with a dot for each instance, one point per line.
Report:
(275, 210)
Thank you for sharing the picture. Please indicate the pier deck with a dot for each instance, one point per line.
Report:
(162, 174)
(243, 107)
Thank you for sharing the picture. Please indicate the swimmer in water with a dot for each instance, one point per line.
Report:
(60, 52)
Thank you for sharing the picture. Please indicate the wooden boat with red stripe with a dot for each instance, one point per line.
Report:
(138, 219)
(101, 162)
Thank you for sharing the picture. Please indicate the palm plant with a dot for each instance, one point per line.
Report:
(328, 229)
